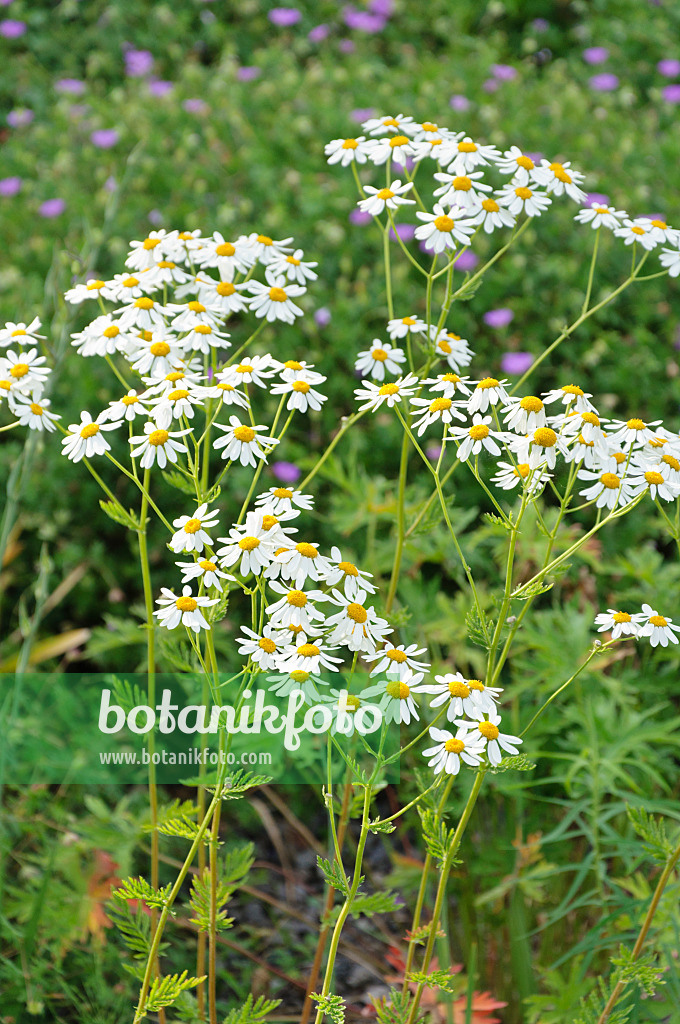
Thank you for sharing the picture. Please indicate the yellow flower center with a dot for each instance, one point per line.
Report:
(398, 140)
(308, 650)
(490, 205)
(19, 370)
(175, 375)
(462, 183)
(277, 295)
(621, 617)
(657, 620)
(531, 404)
(306, 550)
(348, 568)
(203, 329)
(572, 389)
(143, 302)
(265, 240)
(268, 522)
(479, 431)
(458, 689)
(454, 746)
(467, 147)
(619, 457)
(186, 604)
(244, 434)
(526, 162)
(397, 690)
(388, 389)
(177, 396)
(444, 223)
(356, 612)
(523, 192)
(451, 378)
(444, 346)
(225, 249)
(350, 144)
(385, 193)
(192, 526)
(440, 404)
(249, 543)
(391, 122)
(652, 477)
(352, 703)
(151, 243)
(6, 385)
(396, 655)
(487, 382)
(196, 307)
(610, 481)
(225, 288)
(89, 430)
(637, 230)
(130, 282)
(19, 331)
(590, 417)
(266, 645)
(297, 598)
(660, 224)
(159, 348)
(601, 209)
(282, 492)
(545, 437)
(379, 354)
(302, 386)
(158, 437)
(36, 409)
(489, 730)
(635, 424)
(111, 332)
(671, 461)
(207, 565)
(293, 364)
(560, 173)
(291, 259)
(475, 684)
(522, 470)
(408, 320)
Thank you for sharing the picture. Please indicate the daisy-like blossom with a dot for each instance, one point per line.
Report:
(20, 331)
(284, 499)
(518, 164)
(186, 609)
(669, 466)
(91, 289)
(495, 740)
(398, 662)
(509, 476)
(223, 296)
(560, 179)
(308, 655)
(379, 358)
(156, 353)
(376, 395)
(347, 573)
(522, 199)
(449, 751)
(397, 148)
(452, 689)
(248, 544)
(598, 215)
(85, 439)
(143, 313)
(181, 375)
(284, 683)
(524, 414)
(157, 446)
(344, 707)
(253, 370)
(262, 648)
(659, 628)
(389, 125)
(540, 448)
(380, 198)
(206, 570)
(651, 478)
(347, 151)
(265, 249)
(191, 531)
(570, 394)
(443, 230)
(451, 347)
(229, 258)
(165, 273)
(145, 253)
(126, 287)
(607, 489)
(296, 608)
(34, 412)
(173, 405)
(102, 337)
(659, 229)
(302, 396)
(490, 215)
(274, 300)
(357, 627)
(634, 431)
(397, 702)
(617, 623)
(449, 384)
(127, 407)
(465, 191)
(301, 562)
(582, 424)
(203, 338)
(294, 267)
(468, 154)
(670, 259)
(477, 438)
(488, 391)
(637, 231)
(435, 409)
(27, 369)
(404, 325)
(242, 442)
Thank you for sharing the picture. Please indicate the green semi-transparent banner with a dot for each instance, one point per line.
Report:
(107, 729)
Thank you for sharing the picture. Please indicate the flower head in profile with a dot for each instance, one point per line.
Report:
(391, 197)
(186, 610)
(660, 629)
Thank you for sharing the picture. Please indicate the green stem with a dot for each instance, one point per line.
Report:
(401, 524)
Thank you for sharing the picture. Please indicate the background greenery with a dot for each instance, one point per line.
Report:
(559, 862)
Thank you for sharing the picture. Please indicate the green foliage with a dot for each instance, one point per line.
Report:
(443, 980)
(238, 784)
(201, 901)
(334, 875)
(140, 889)
(652, 830)
(436, 834)
(394, 1008)
(642, 971)
(164, 991)
(117, 513)
(331, 1006)
(253, 1011)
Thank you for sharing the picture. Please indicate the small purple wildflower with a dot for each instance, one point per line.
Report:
(286, 472)
(318, 33)
(498, 317)
(360, 217)
(516, 362)
(10, 186)
(466, 261)
(669, 67)
(671, 93)
(503, 72)
(284, 17)
(322, 316)
(347, 46)
(104, 138)
(362, 114)
(138, 63)
(72, 86)
(159, 87)
(248, 73)
(405, 231)
(51, 208)
(195, 106)
(605, 82)
(460, 103)
(595, 54)
(596, 197)
(10, 28)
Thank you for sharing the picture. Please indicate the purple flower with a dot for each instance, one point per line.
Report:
(536, 157)
(596, 197)
(433, 451)
(322, 316)
(361, 217)
(459, 103)
(158, 87)
(362, 114)
(5, 3)
(155, 217)
(503, 72)
(605, 82)
(51, 207)
(10, 186)
(10, 28)
(195, 106)
(138, 63)
(363, 21)
(595, 54)
(490, 85)
(110, 184)
(516, 362)
(20, 117)
(104, 138)
(405, 231)
(248, 73)
(318, 33)
(284, 17)
(466, 261)
(668, 67)
(671, 93)
(540, 25)
(286, 472)
(383, 8)
(498, 317)
(346, 46)
(72, 86)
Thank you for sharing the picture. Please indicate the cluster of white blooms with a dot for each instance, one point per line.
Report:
(23, 376)
(465, 202)
(648, 623)
(167, 319)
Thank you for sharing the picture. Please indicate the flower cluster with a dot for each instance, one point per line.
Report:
(645, 624)
(24, 374)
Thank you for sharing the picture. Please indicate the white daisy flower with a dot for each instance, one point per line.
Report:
(143, 313)
(380, 198)
(91, 289)
(568, 394)
(283, 499)
(356, 626)
(186, 609)
(449, 750)
(522, 199)
(173, 405)
(127, 407)
(296, 608)
(352, 578)
(524, 414)
(561, 179)
(398, 662)
(295, 268)
(255, 370)
(144, 254)
(518, 164)
(449, 383)
(510, 476)
(203, 338)
(157, 446)
(637, 231)
(659, 229)
(451, 347)
(34, 412)
(379, 358)
(670, 259)
(494, 738)
(444, 230)
(633, 432)
(223, 297)
(653, 479)
(274, 300)
(266, 249)
(469, 154)
(465, 191)
(302, 396)
(488, 391)
(229, 258)
(659, 628)
(191, 533)
(397, 148)
(191, 314)
(284, 683)
(346, 151)
(299, 369)
(164, 273)
(452, 689)
(434, 409)
(20, 330)
(539, 448)
(598, 215)
(404, 325)
(126, 288)
(617, 623)
(669, 466)
(310, 656)
(401, 124)
(476, 438)
(25, 368)
(491, 216)
(607, 490)
(262, 648)
(388, 394)
(85, 439)
(397, 703)
(343, 707)
(156, 354)
(247, 544)
(243, 443)
(206, 570)
(582, 424)
(302, 562)
(102, 337)
(180, 376)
